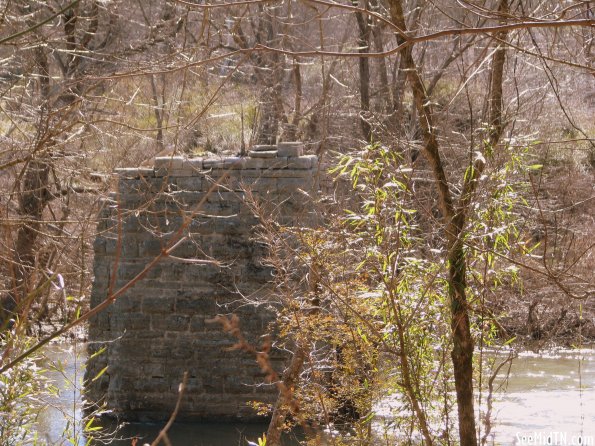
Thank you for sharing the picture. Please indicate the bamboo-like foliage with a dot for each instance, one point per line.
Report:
(366, 299)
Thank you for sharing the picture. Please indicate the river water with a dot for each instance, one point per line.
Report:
(549, 398)
(548, 394)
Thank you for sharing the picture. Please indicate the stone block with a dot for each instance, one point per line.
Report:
(213, 342)
(187, 249)
(162, 284)
(127, 304)
(99, 245)
(213, 163)
(185, 172)
(130, 202)
(129, 186)
(231, 227)
(218, 208)
(264, 148)
(105, 222)
(150, 248)
(129, 270)
(192, 183)
(162, 173)
(203, 273)
(146, 172)
(157, 304)
(100, 323)
(234, 163)
(159, 350)
(142, 336)
(287, 185)
(216, 180)
(215, 386)
(128, 348)
(134, 172)
(193, 305)
(130, 321)
(110, 246)
(169, 162)
(153, 369)
(194, 385)
(187, 199)
(290, 149)
(172, 322)
(225, 197)
(197, 323)
(195, 164)
(264, 163)
(257, 184)
(152, 384)
(171, 336)
(181, 352)
(267, 154)
(129, 246)
(282, 173)
(173, 270)
(236, 385)
(101, 270)
(155, 185)
(302, 162)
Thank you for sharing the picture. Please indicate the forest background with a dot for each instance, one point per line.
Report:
(459, 136)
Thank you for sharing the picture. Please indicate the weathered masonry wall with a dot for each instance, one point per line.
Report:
(158, 328)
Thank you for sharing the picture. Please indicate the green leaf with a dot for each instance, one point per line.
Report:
(101, 372)
(98, 352)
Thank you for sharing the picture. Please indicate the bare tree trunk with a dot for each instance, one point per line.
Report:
(462, 352)
(270, 113)
(267, 126)
(364, 73)
(455, 219)
(284, 403)
(497, 79)
(291, 129)
(316, 128)
(158, 109)
(34, 195)
(398, 88)
(384, 90)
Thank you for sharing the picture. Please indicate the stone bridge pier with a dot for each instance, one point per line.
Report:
(158, 328)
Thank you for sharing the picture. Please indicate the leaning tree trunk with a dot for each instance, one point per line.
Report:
(462, 353)
(33, 197)
(286, 402)
(455, 218)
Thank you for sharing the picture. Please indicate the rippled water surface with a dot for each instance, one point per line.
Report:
(547, 394)
(550, 393)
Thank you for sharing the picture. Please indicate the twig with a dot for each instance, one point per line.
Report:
(163, 433)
